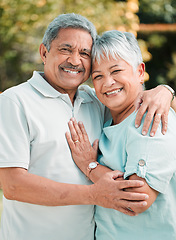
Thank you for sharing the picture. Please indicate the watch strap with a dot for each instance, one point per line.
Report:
(171, 90)
(89, 168)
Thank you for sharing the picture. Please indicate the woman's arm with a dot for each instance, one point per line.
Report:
(83, 154)
(144, 189)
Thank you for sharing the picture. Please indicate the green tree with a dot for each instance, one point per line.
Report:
(161, 44)
(21, 25)
(23, 22)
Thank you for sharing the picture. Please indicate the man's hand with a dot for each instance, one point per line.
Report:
(109, 193)
(156, 102)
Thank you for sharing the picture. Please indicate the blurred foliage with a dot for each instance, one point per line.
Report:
(161, 45)
(162, 11)
(162, 66)
(23, 22)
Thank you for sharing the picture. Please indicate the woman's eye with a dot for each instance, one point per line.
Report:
(98, 77)
(116, 71)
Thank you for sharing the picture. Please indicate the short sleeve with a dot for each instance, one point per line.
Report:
(152, 158)
(14, 134)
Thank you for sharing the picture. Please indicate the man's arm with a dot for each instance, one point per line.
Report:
(156, 102)
(173, 104)
(22, 186)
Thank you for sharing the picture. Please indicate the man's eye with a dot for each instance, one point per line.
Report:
(65, 50)
(85, 54)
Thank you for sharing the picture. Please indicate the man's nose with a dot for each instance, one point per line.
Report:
(74, 59)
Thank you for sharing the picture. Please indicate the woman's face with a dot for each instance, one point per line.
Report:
(116, 84)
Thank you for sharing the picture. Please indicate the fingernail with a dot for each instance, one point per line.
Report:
(136, 125)
(144, 133)
(164, 132)
(151, 134)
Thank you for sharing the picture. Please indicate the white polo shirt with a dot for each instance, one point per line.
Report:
(33, 121)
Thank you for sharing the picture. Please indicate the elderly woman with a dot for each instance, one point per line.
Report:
(118, 77)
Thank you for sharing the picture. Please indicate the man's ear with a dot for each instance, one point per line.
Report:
(43, 52)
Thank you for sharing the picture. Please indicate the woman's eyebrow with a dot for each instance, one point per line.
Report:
(96, 71)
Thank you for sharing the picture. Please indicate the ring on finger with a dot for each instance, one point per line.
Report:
(158, 114)
(130, 209)
(76, 141)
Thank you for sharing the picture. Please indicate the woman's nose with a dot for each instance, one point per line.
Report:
(108, 81)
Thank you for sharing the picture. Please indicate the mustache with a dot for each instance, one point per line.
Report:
(72, 67)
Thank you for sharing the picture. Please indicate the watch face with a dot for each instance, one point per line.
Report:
(92, 165)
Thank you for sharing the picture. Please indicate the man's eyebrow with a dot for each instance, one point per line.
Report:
(65, 45)
(86, 50)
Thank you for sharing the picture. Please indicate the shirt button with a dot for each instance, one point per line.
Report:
(141, 162)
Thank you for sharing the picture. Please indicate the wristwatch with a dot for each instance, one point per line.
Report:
(90, 167)
(171, 90)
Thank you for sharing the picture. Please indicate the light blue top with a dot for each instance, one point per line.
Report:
(123, 147)
(33, 122)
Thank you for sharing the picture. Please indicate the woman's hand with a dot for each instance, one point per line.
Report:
(82, 151)
(156, 102)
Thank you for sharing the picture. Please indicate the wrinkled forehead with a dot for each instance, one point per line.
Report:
(72, 37)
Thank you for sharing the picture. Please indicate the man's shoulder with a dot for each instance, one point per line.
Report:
(15, 90)
(88, 90)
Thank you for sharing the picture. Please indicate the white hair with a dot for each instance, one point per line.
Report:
(117, 44)
(69, 20)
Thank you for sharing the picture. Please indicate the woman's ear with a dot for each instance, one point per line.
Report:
(141, 71)
(43, 52)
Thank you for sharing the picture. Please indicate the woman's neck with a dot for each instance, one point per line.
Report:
(119, 116)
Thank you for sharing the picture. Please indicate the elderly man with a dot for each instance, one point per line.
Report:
(45, 195)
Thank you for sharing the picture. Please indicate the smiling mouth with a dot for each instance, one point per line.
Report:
(70, 71)
(114, 92)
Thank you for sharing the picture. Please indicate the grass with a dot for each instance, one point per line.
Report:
(0, 202)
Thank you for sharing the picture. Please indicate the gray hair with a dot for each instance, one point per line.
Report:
(69, 20)
(117, 44)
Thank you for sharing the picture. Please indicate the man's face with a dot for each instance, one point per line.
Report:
(68, 63)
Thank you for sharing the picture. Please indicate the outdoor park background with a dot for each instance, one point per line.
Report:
(23, 22)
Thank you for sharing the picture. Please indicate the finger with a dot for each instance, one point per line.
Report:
(164, 119)
(134, 196)
(116, 174)
(140, 113)
(136, 204)
(77, 129)
(69, 140)
(155, 124)
(95, 145)
(126, 211)
(138, 101)
(73, 132)
(150, 116)
(83, 130)
(130, 183)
